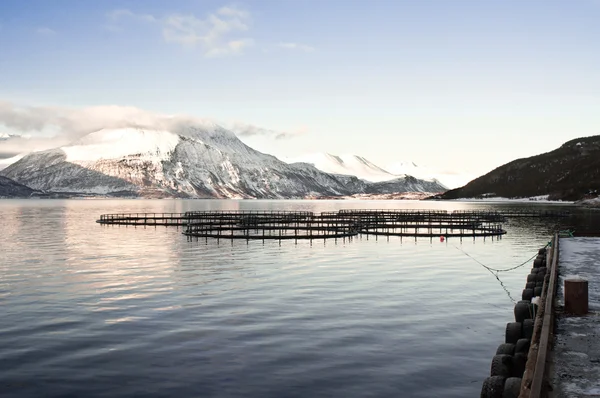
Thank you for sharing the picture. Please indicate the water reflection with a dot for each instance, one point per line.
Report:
(97, 311)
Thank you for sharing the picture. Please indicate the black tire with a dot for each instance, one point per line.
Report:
(523, 310)
(519, 361)
(522, 346)
(505, 349)
(537, 292)
(539, 284)
(529, 285)
(538, 262)
(493, 387)
(542, 251)
(531, 278)
(501, 365)
(527, 329)
(542, 270)
(512, 387)
(527, 294)
(539, 277)
(513, 333)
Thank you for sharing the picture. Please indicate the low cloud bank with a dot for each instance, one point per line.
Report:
(49, 127)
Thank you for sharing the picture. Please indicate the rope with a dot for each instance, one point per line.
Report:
(499, 270)
(495, 272)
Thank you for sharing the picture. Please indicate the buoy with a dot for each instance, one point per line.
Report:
(442, 238)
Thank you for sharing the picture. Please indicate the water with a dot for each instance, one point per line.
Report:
(106, 311)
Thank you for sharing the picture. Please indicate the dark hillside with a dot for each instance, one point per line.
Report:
(12, 189)
(567, 173)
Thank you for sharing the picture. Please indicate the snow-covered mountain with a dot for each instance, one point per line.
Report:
(189, 161)
(363, 168)
(345, 164)
(410, 168)
(450, 179)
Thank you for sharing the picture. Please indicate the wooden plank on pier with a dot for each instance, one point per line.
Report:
(537, 383)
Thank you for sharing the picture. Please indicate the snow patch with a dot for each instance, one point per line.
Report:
(4, 163)
(347, 164)
(119, 143)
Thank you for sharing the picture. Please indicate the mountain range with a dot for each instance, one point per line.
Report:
(195, 161)
(345, 164)
(367, 170)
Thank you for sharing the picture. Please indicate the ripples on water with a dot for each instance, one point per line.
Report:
(107, 311)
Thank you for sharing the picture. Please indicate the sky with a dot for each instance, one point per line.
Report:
(457, 85)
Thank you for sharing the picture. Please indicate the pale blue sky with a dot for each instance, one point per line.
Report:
(454, 84)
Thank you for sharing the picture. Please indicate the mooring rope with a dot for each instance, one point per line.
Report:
(495, 271)
(499, 270)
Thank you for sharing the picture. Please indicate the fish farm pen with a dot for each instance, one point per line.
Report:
(297, 225)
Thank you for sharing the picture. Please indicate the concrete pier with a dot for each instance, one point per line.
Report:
(576, 355)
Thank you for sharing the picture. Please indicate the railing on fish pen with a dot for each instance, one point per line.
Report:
(308, 225)
(144, 219)
(289, 227)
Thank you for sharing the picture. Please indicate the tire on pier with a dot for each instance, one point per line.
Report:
(539, 277)
(493, 387)
(523, 310)
(501, 365)
(519, 361)
(539, 262)
(527, 294)
(514, 331)
(505, 349)
(531, 278)
(512, 387)
(537, 292)
(529, 285)
(542, 270)
(527, 329)
(522, 346)
(542, 251)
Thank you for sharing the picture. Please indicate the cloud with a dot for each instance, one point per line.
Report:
(218, 34)
(45, 31)
(116, 15)
(69, 124)
(249, 130)
(246, 130)
(16, 145)
(296, 46)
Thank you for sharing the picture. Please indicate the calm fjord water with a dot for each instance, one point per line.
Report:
(106, 311)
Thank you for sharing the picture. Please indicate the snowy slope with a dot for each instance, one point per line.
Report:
(4, 163)
(364, 169)
(450, 179)
(199, 161)
(345, 164)
(115, 144)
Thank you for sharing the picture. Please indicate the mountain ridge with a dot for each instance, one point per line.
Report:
(569, 172)
(190, 161)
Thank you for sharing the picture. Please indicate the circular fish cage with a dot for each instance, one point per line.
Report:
(268, 225)
(427, 223)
